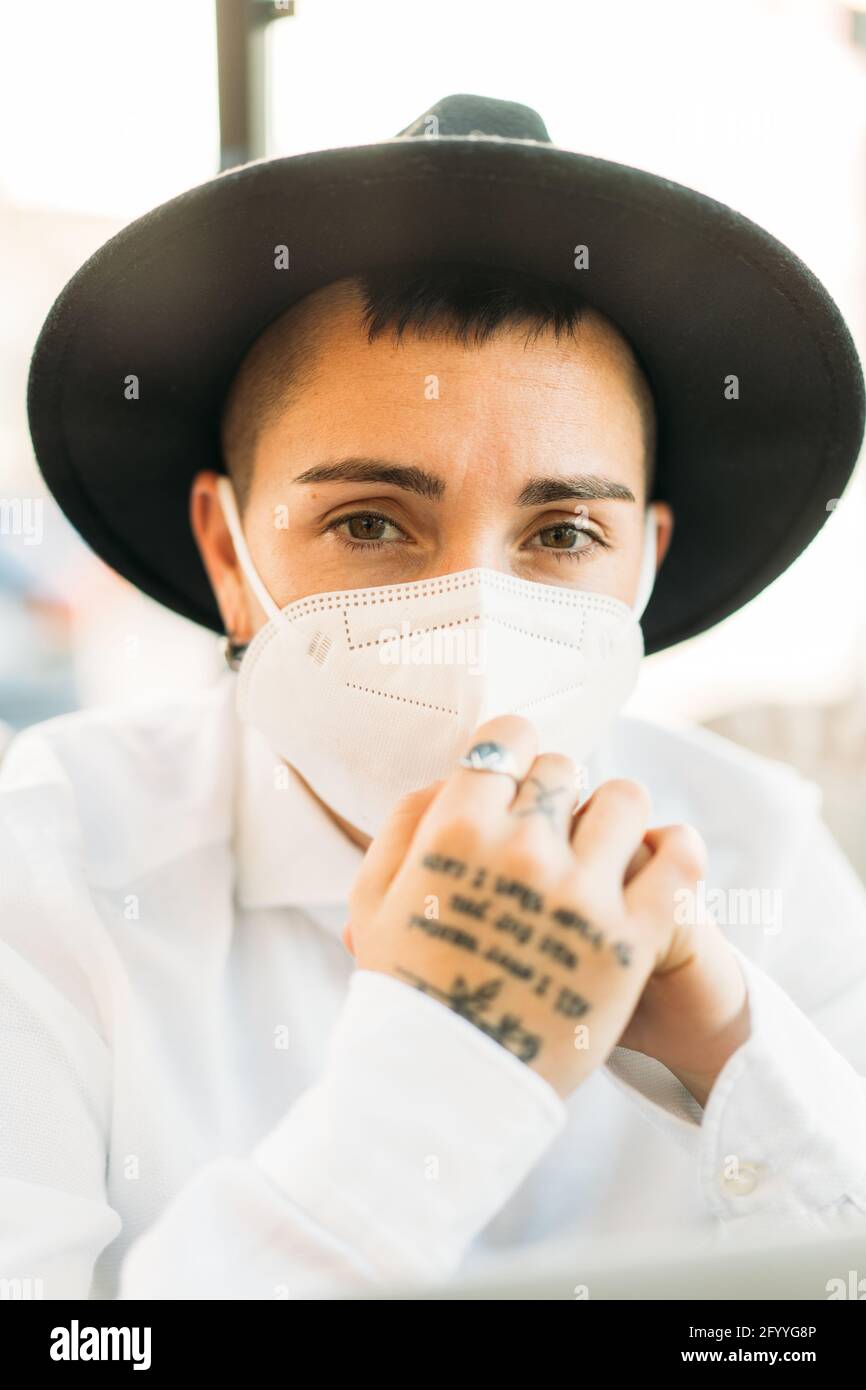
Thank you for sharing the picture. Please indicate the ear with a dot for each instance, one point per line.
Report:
(218, 555)
(664, 518)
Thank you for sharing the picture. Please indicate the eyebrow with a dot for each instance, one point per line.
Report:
(363, 470)
(587, 487)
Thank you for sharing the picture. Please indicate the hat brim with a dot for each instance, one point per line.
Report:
(178, 296)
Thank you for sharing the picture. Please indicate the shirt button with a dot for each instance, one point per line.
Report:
(742, 1182)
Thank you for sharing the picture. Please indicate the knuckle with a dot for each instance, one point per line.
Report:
(686, 851)
(556, 764)
(627, 792)
(459, 836)
(507, 727)
(580, 891)
(578, 884)
(527, 857)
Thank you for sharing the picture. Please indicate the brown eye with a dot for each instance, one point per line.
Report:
(563, 536)
(368, 530)
(366, 527)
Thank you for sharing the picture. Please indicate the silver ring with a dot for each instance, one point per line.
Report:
(491, 757)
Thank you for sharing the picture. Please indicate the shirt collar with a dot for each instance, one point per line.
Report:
(288, 850)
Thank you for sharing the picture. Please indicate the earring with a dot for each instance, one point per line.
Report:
(233, 652)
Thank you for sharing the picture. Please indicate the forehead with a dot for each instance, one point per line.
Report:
(522, 402)
(520, 390)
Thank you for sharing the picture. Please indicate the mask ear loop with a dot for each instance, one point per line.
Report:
(226, 495)
(647, 579)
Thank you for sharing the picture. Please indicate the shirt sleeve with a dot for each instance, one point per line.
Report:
(418, 1131)
(783, 1132)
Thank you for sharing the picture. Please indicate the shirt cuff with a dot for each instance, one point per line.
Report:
(783, 1130)
(419, 1130)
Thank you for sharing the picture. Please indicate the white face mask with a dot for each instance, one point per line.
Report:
(370, 693)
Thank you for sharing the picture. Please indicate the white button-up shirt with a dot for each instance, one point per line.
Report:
(202, 1096)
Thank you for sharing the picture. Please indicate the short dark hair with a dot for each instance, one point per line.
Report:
(469, 303)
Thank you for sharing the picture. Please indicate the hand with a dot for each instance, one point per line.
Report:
(693, 1014)
(496, 904)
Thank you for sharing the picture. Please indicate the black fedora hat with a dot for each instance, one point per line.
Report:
(177, 297)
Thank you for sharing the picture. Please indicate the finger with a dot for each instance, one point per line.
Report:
(390, 847)
(548, 793)
(611, 826)
(678, 860)
(470, 794)
(642, 855)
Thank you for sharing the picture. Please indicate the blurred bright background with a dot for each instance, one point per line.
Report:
(110, 108)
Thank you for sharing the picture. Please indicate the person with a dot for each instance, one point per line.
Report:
(399, 947)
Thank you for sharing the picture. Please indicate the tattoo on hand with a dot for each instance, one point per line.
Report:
(528, 899)
(549, 933)
(544, 803)
(473, 1002)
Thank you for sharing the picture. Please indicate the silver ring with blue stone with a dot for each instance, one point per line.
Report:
(491, 757)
